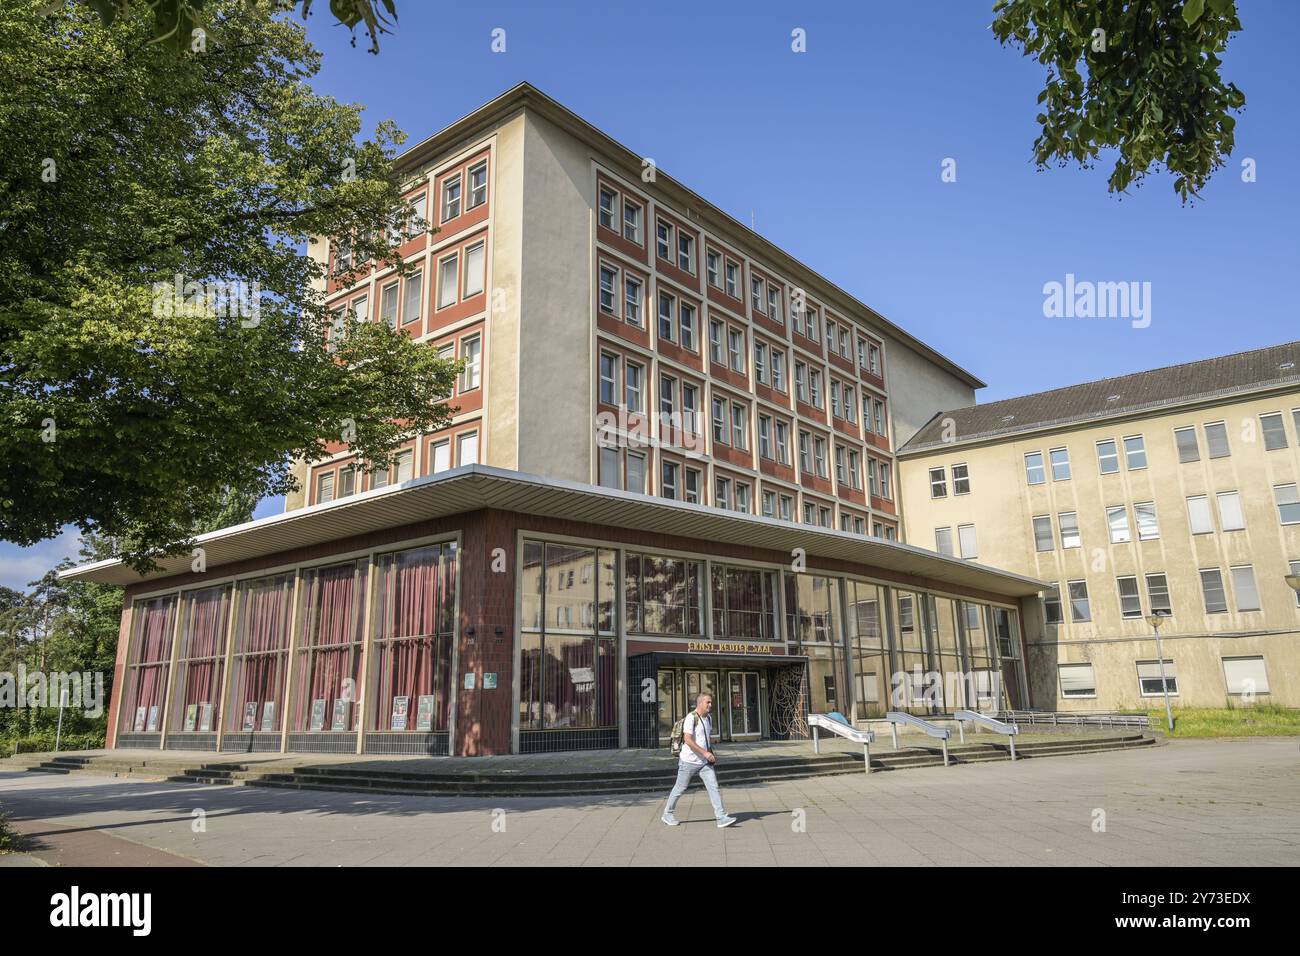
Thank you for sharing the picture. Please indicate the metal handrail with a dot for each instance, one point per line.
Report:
(1033, 717)
(934, 730)
(984, 720)
(837, 726)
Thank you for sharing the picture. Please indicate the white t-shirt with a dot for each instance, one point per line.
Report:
(702, 731)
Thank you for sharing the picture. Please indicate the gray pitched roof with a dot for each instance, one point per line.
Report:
(1123, 395)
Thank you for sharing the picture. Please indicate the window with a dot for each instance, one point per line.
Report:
(1130, 598)
(819, 453)
(693, 485)
(691, 408)
(841, 470)
(1188, 449)
(765, 436)
(1216, 601)
(850, 404)
(606, 208)
(405, 465)
(873, 481)
(414, 298)
(361, 309)
(1150, 681)
(632, 300)
(715, 343)
(1080, 612)
(1060, 458)
(736, 349)
(1295, 569)
(1043, 538)
(1135, 452)
(1231, 517)
(471, 351)
(451, 198)
(719, 421)
(632, 377)
(1245, 676)
(742, 497)
(960, 480)
(474, 275)
(1295, 418)
(665, 317)
(966, 540)
(783, 443)
(415, 222)
(388, 305)
(447, 270)
(608, 378)
(1198, 515)
(722, 492)
(686, 253)
(447, 353)
(608, 282)
(1068, 522)
(686, 326)
(636, 472)
(769, 504)
(943, 541)
(1148, 527)
(325, 488)
(1216, 438)
(1052, 615)
(1243, 588)
(814, 326)
(787, 507)
(347, 481)
(664, 240)
(477, 184)
(815, 387)
(774, 303)
(778, 370)
(1288, 503)
(1117, 520)
(879, 410)
(1274, 431)
(668, 479)
(801, 381)
(757, 296)
(631, 221)
(1107, 457)
(1077, 680)
(711, 262)
(884, 481)
(439, 456)
(667, 399)
(938, 483)
(1035, 473)
(1158, 594)
(873, 357)
(835, 399)
(805, 453)
(739, 427)
(760, 363)
(733, 278)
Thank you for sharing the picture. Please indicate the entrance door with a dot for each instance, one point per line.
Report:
(669, 706)
(742, 701)
(695, 683)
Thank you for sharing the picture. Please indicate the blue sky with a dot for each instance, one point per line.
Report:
(836, 154)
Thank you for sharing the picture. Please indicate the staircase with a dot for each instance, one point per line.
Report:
(426, 780)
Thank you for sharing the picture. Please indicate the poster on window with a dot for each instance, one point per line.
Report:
(250, 716)
(318, 714)
(340, 721)
(191, 716)
(139, 719)
(268, 715)
(401, 705)
(583, 678)
(424, 713)
(153, 717)
(205, 717)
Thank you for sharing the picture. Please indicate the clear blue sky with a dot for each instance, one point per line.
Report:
(837, 155)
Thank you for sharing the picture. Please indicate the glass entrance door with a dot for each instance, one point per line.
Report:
(668, 704)
(742, 701)
(695, 683)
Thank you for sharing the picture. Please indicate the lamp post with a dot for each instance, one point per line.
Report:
(1155, 620)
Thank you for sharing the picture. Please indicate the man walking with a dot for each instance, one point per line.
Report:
(697, 757)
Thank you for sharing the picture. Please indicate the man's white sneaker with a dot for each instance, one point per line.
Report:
(726, 822)
(671, 820)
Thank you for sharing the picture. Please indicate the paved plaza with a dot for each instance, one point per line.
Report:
(1202, 802)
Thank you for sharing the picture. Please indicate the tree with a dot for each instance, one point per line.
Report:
(177, 22)
(1140, 76)
(128, 173)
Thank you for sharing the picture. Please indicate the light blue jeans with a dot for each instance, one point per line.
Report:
(684, 773)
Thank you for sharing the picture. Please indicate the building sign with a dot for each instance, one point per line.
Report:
(728, 647)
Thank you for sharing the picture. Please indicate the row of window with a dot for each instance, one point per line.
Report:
(346, 480)
(625, 215)
(1242, 676)
(1200, 517)
(1214, 593)
(1131, 449)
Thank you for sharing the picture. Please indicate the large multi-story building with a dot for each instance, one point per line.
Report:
(1168, 492)
(671, 468)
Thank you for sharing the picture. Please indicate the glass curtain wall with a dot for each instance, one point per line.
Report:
(152, 630)
(263, 618)
(200, 660)
(812, 628)
(868, 649)
(328, 665)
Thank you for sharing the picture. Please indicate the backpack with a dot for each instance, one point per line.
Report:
(679, 733)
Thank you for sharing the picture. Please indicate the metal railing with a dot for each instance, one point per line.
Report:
(1051, 719)
(934, 730)
(987, 722)
(836, 724)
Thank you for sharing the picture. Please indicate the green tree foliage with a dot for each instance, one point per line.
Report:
(126, 169)
(1139, 76)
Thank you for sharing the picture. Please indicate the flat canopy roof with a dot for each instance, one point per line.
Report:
(473, 487)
